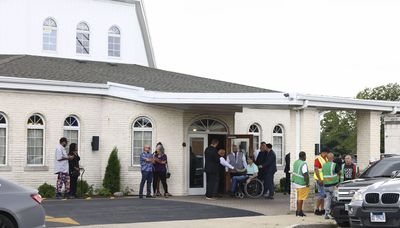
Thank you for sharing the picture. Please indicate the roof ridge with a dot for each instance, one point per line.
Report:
(10, 59)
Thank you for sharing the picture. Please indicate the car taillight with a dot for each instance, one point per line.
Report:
(37, 198)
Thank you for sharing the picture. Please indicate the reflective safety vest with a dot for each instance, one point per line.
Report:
(297, 175)
(355, 172)
(322, 161)
(328, 170)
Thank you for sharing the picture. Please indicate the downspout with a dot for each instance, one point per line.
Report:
(395, 110)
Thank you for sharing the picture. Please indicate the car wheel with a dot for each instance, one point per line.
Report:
(5, 222)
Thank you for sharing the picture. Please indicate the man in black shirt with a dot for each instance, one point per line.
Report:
(211, 168)
(349, 169)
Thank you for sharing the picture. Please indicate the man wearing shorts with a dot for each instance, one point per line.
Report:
(301, 182)
(319, 161)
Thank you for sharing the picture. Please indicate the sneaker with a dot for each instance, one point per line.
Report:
(269, 197)
(209, 198)
(149, 196)
(140, 196)
(158, 194)
(297, 214)
(328, 216)
(322, 212)
(301, 214)
(166, 195)
(317, 212)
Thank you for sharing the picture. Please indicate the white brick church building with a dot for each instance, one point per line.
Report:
(84, 68)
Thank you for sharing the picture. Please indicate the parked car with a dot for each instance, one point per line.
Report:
(378, 171)
(20, 207)
(378, 205)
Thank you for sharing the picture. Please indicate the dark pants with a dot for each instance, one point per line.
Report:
(212, 184)
(160, 176)
(147, 176)
(287, 183)
(269, 184)
(73, 185)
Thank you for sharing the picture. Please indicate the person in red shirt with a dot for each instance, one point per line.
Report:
(319, 161)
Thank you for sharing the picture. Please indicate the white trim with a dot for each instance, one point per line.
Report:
(263, 100)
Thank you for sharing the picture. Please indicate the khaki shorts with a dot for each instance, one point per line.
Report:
(302, 193)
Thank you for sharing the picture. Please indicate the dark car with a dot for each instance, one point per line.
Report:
(379, 171)
(378, 205)
(20, 207)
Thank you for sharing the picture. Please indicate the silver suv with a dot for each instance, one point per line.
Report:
(378, 205)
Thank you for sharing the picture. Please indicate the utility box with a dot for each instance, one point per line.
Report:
(392, 134)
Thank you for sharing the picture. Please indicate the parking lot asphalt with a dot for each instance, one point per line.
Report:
(62, 213)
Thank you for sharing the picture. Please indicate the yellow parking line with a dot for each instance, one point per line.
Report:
(66, 220)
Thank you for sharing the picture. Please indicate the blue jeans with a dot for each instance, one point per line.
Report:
(329, 194)
(235, 180)
(147, 176)
(321, 193)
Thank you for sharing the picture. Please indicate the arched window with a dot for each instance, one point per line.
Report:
(3, 140)
(71, 129)
(49, 35)
(35, 144)
(278, 143)
(114, 42)
(208, 125)
(82, 38)
(255, 130)
(142, 135)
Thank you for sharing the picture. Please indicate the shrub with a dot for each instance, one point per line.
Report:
(103, 192)
(112, 179)
(83, 189)
(47, 190)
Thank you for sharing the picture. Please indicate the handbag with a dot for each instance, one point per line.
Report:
(168, 175)
(75, 173)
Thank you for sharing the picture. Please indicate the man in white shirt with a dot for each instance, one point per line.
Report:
(61, 168)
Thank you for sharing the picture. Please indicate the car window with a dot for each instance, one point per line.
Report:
(382, 168)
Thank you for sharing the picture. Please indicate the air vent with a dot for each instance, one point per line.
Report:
(390, 198)
(372, 198)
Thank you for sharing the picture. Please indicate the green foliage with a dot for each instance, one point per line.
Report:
(389, 92)
(83, 189)
(47, 190)
(112, 177)
(339, 131)
(105, 192)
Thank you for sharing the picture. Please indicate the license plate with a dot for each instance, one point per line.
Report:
(346, 207)
(378, 217)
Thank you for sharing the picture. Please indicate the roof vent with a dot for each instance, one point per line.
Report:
(81, 61)
(112, 64)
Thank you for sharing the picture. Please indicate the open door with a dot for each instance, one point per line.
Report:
(245, 145)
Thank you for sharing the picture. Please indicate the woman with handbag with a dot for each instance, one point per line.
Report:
(160, 170)
(74, 171)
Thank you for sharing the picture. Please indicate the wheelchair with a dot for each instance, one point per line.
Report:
(254, 189)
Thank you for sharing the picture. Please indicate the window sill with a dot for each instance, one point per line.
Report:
(5, 168)
(134, 168)
(36, 168)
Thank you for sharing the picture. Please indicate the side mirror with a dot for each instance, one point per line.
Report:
(395, 173)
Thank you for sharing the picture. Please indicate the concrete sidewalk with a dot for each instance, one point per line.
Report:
(281, 221)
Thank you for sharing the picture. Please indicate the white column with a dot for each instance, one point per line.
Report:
(368, 137)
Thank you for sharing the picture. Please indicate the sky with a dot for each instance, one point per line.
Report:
(321, 47)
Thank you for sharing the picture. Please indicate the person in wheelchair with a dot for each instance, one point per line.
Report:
(247, 174)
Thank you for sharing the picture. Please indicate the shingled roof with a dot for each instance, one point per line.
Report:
(60, 69)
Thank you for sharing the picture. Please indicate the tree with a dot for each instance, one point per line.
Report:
(389, 92)
(112, 177)
(339, 129)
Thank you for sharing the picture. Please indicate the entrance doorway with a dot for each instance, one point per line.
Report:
(201, 133)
